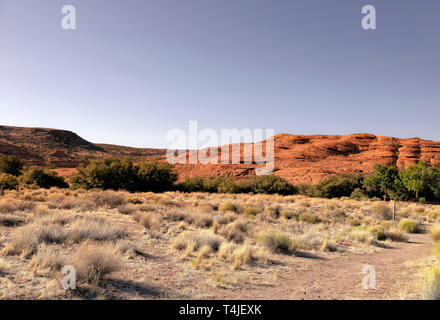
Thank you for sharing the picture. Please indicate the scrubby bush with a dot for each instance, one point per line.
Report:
(8, 181)
(118, 174)
(382, 210)
(155, 177)
(93, 262)
(432, 284)
(11, 165)
(42, 178)
(267, 184)
(337, 186)
(435, 233)
(277, 241)
(410, 226)
(227, 206)
(437, 250)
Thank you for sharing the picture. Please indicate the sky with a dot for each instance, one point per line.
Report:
(135, 69)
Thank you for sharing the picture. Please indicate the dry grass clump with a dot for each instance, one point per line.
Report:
(94, 229)
(289, 214)
(48, 257)
(378, 232)
(93, 262)
(202, 219)
(235, 231)
(148, 219)
(396, 235)
(251, 211)
(10, 220)
(277, 241)
(316, 240)
(24, 241)
(4, 267)
(362, 235)
(435, 233)
(437, 250)
(309, 218)
(410, 226)
(128, 248)
(240, 255)
(193, 241)
(227, 206)
(11, 206)
(127, 209)
(432, 284)
(382, 210)
(61, 202)
(110, 199)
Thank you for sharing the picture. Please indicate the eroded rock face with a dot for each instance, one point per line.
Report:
(312, 158)
(298, 158)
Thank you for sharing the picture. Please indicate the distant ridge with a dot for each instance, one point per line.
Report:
(62, 148)
(298, 158)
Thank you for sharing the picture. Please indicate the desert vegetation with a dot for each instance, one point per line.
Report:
(212, 242)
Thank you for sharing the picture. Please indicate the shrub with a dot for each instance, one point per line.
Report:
(155, 177)
(342, 185)
(378, 233)
(8, 181)
(227, 206)
(11, 165)
(382, 211)
(23, 240)
(48, 258)
(42, 178)
(277, 241)
(148, 219)
(94, 229)
(195, 240)
(432, 284)
(435, 233)
(309, 218)
(363, 236)
(409, 226)
(268, 184)
(252, 212)
(396, 235)
(118, 174)
(235, 231)
(358, 193)
(437, 250)
(93, 262)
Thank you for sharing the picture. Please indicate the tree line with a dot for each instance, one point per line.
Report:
(418, 182)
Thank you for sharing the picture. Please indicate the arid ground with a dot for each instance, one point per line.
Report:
(204, 246)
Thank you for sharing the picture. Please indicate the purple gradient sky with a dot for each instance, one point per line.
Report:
(135, 69)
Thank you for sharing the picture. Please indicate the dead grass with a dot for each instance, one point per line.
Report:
(93, 262)
(276, 241)
(195, 240)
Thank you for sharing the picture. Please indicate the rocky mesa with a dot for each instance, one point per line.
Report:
(297, 158)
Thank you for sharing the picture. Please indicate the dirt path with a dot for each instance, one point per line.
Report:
(339, 276)
(307, 276)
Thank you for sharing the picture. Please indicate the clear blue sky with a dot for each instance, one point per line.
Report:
(134, 69)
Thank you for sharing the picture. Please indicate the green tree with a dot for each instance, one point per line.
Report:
(156, 176)
(11, 165)
(8, 181)
(386, 180)
(42, 178)
(116, 174)
(416, 178)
